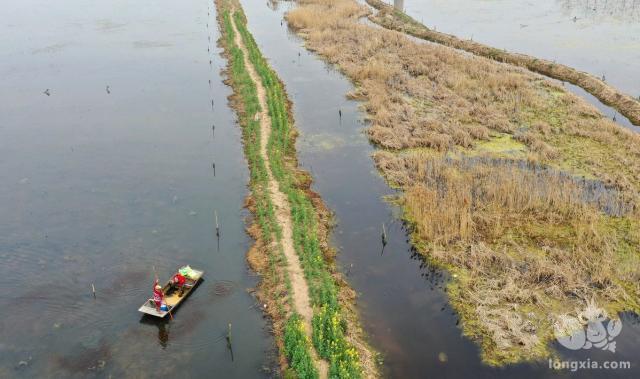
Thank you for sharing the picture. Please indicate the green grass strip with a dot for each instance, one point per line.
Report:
(296, 344)
(329, 327)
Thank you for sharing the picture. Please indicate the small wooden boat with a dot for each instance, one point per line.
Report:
(171, 297)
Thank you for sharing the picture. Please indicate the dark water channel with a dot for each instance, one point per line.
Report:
(111, 174)
(402, 304)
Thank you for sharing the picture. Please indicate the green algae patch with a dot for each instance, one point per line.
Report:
(501, 144)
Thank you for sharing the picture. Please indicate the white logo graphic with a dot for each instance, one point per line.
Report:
(587, 330)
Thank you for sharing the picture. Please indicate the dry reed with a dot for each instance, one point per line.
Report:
(526, 238)
(427, 95)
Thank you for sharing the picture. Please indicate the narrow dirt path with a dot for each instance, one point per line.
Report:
(301, 300)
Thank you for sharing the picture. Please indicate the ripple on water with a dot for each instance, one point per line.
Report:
(178, 333)
(85, 360)
(223, 288)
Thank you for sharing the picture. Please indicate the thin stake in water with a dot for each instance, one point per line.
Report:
(384, 235)
(217, 226)
(229, 346)
(384, 238)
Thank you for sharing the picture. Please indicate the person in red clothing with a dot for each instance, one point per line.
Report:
(158, 295)
(177, 282)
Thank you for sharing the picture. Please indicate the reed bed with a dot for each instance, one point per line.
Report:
(527, 234)
(427, 95)
(526, 241)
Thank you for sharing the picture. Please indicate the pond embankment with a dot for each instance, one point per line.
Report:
(316, 328)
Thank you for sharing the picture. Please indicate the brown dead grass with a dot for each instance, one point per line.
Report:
(526, 238)
(527, 242)
(426, 95)
(272, 282)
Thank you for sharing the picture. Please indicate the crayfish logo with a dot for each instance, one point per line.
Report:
(587, 329)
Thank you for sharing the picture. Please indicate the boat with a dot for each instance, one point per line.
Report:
(171, 297)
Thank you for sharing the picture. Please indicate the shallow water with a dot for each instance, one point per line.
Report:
(101, 184)
(401, 298)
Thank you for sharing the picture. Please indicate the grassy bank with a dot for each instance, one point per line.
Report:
(522, 190)
(334, 325)
(394, 19)
(336, 332)
(266, 256)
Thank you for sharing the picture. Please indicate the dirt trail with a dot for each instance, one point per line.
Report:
(301, 300)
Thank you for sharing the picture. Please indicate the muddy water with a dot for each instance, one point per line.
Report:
(597, 36)
(404, 308)
(110, 175)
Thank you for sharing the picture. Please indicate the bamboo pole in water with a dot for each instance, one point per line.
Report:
(217, 226)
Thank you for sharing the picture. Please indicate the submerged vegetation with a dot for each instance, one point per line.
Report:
(336, 336)
(522, 190)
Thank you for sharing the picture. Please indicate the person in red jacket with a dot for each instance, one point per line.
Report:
(177, 282)
(158, 295)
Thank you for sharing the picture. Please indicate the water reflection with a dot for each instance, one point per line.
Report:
(600, 10)
(163, 325)
(601, 37)
(109, 176)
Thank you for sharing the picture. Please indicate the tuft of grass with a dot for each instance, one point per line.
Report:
(295, 342)
(502, 144)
